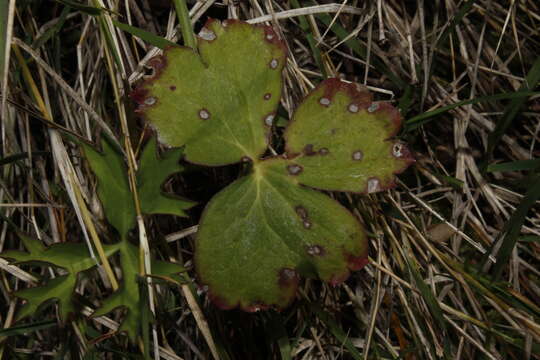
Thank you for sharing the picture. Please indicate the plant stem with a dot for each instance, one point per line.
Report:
(185, 23)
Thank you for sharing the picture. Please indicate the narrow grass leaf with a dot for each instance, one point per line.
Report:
(21, 156)
(306, 29)
(360, 50)
(185, 23)
(419, 120)
(88, 10)
(53, 30)
(150, 38)
(519, 165)
(530, 83)
(428, 296)
(27, 328)
(512, 229)
(340, 335)
(277, 333)
(4, 17)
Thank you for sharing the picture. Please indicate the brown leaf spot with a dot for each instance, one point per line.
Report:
(207, 34)
(323, 151)
(353, 108)
(267, 96)
(301, 211)
(373, 185)
(273, 63)
(204, 114)
(324, 101)
(294, 169)
(357, 155)
(308, 150)
(288, 278)
(373, 107)
(138, 95)
(307, 224)
(172, 87)
(315, 250)
(269, 119)
(149, 101)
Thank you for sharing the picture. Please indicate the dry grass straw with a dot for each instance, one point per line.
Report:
(425, 293)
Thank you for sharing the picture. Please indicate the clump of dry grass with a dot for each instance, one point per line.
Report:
(445, 279)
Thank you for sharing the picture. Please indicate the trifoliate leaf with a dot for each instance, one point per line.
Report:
(74, 258)
(258, 235)
(221, 101)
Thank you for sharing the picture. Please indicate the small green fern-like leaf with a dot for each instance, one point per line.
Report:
(114, 191)
(113, 186)
(258, 235)
(129, 296)
(73, 258)
(115, 194)
(153, 171)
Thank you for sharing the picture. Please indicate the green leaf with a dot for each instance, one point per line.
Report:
(153, 171)
(512, 110)
(258, 235)
(150, 38)
(128, 296)
(261, 232)
(512, 229)
(221, 108)
(73, 258)
(419, 120)
(518, 165)
(60, 288)
(4, 29)
(27, 328)
(113, 186)
(114, 191)
(336, 140)
(89, 10)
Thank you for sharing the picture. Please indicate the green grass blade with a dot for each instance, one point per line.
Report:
(512, 228)
(21, 156)
(150, 38)
(53, 30)
(336, 331)
(304, 25)
(419, 120)
(519, 165)
(185, 23)
(361, 50)
(277, 334)
(4, 16)
(428, 296)
(530, 83)
(89, 10)
(27, 328)
(7, 12)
